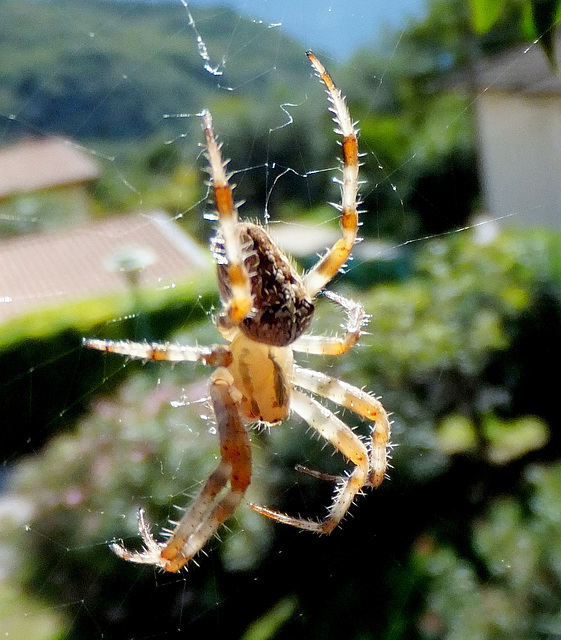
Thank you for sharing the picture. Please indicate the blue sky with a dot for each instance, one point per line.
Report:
(336, 27)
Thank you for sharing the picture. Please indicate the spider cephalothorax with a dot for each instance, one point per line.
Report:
(267, 306)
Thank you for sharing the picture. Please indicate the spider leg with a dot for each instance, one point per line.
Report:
(216, 502)
(330, 427)
(317, 474)
(337, 345)
(328, 266)
(241, 302)
(362, 403)
(217, 355)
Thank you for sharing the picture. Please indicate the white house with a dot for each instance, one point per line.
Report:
(518, 111)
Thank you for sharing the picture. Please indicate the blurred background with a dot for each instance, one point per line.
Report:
(104, 231)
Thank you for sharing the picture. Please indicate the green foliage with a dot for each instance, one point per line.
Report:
(464, 540)
(468, 523)
(22, 617)
(538, 19)
(268, 625)
(45, 368)
(485, 13)
(41, 211)
(509, 584)
(147, 446)
(131, 91)
(420, 161)
(445, 337)
(137, 66)
(459, 303)
(544, 15)
(419, 139)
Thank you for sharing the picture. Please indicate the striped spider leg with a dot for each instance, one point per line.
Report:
(316, 279)
(370, 465)
(227, 484)
(216, 501)
(370, 462)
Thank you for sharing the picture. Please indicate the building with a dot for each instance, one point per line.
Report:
(139, 251)
(43, 185)
(518, 111)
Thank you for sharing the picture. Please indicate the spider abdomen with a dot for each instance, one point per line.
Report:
(282, 308)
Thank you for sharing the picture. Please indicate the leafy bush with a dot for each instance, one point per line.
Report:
(463, 541)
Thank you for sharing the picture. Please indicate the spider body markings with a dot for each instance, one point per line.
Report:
(267, 307)
(282, 306)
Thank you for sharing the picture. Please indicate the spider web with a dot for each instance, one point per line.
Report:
(55, 477)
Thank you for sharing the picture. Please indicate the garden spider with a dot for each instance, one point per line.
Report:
(267, 306)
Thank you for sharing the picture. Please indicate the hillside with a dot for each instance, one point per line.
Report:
(112, 70)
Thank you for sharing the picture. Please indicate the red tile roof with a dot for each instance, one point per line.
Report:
(47, 270)
(43, 164)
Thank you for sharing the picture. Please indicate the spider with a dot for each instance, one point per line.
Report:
(266, 308)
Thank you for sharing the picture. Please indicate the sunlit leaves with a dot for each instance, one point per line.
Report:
(484, 13)
(539, 19)
(508, 586)
(511, 439)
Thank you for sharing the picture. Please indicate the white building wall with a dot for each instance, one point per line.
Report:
(520, 148)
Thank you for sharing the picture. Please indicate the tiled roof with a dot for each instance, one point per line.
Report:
(47, 270)
(42, 164)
